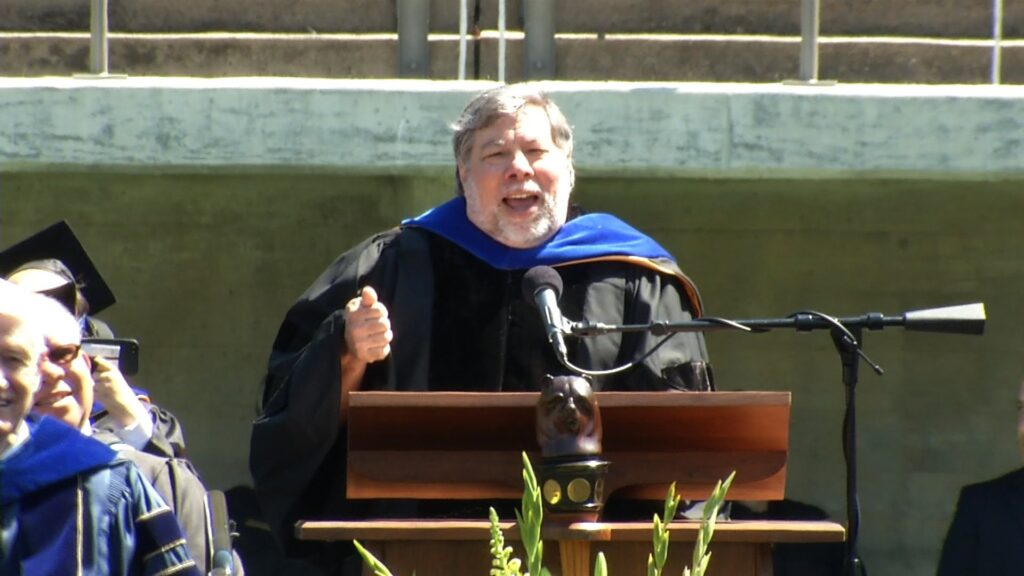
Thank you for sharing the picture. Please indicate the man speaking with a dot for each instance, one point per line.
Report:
(436, 304)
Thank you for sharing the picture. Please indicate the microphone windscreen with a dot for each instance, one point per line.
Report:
(963, 319)
(539, 277)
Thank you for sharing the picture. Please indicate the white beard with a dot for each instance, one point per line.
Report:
(531, 233)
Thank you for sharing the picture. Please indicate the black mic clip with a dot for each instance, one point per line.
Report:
(587, 328)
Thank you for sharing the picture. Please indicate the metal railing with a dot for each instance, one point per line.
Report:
(810, 22)
(463, 24)
(997, 40)
(413, 41)
(99, 43)
(539, 45)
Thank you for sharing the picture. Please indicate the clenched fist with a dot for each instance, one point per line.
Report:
(367, 328)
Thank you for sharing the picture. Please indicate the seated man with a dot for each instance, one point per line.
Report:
(68, 504)
(67, 393)
(54, 263)
(986, 536)
(439, 306)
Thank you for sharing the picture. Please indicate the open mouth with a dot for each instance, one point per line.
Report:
(521, 201)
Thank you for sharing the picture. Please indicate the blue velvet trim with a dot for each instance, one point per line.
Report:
(585, 237)
(47, 541)
(53, 453)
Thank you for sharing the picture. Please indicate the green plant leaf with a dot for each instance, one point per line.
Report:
(530, 519)
(600, 565)
(378, 567)
(701, 554)
(671, 503)
(659, 534)
(502, 563)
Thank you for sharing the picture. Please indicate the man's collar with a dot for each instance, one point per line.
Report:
(16, 439)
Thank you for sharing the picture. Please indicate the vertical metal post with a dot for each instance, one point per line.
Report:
(809, 25)
(413, 44)
(539, 25)
(463, 26)
(98, 41)
(501, 41)
(997, 39)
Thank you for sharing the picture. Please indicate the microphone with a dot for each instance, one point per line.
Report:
(543, 286)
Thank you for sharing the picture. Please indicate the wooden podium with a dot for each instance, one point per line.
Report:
(453, 445)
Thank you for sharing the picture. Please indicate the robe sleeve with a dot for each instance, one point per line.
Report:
(296, 441)
(160, 545)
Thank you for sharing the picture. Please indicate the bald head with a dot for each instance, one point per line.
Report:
(22, 345)
(20, 306)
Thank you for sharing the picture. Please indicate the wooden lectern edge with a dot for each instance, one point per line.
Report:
(749, 531)
(373, 398)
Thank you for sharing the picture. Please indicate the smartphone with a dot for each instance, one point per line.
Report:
(123, 351)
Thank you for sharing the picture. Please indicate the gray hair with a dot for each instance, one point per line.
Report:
(505, 100)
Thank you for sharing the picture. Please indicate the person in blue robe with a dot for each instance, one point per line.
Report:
(68, 503)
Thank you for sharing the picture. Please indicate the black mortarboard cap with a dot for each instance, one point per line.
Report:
(58, 242)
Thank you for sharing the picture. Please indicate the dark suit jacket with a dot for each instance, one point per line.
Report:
(987, 533)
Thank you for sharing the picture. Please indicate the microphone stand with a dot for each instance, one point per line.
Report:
(849, 352)
(846, 336)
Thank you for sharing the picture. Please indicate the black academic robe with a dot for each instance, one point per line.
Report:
(986, 536)
(459, 324)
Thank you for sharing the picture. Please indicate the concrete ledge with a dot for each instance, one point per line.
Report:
(385, 127)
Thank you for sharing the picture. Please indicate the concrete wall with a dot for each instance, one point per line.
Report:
(209, 212)
(396, 126)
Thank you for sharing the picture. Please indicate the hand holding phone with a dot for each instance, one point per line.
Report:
(122, 352)
(120, 401)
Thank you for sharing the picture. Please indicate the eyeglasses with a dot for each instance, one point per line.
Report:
(64, 354)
